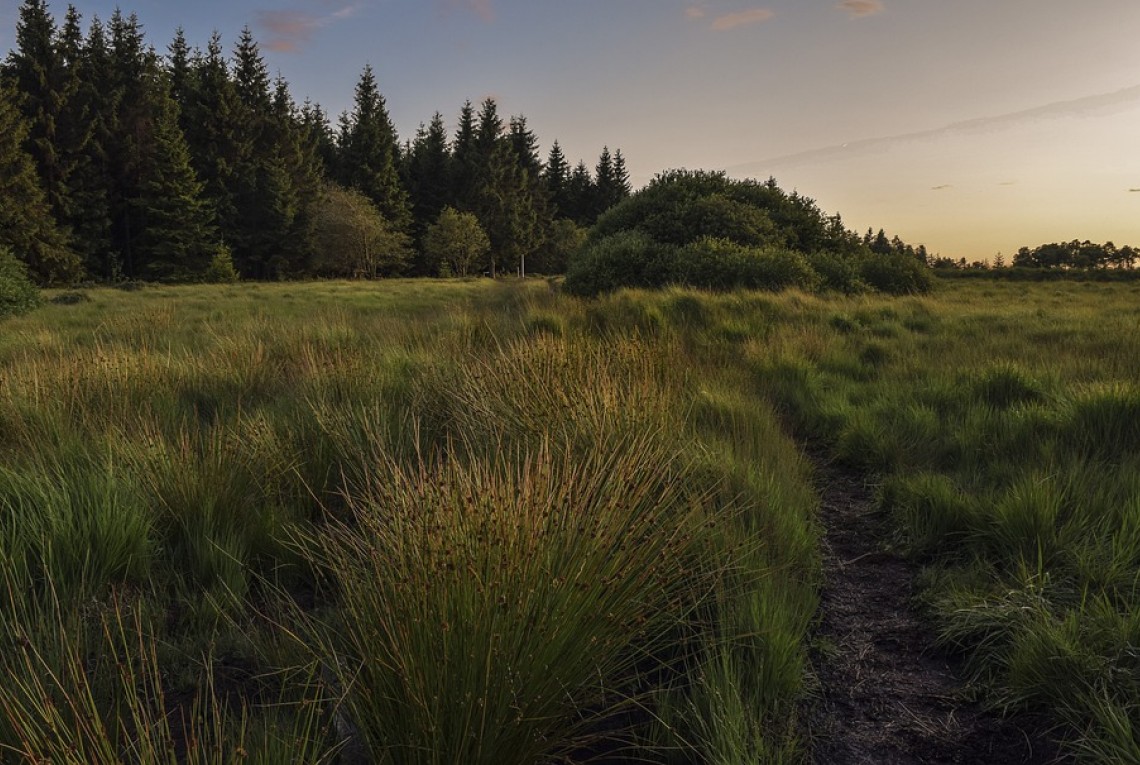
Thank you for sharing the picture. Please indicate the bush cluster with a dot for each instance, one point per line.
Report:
(704, 230)
(17, 293)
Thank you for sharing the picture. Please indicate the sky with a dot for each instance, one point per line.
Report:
(971, 126)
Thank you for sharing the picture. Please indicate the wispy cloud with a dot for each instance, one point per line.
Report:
(741, 18)
(695, 12)
(484, 9)
(860, 8)
(943, 187)
(1134, 191)
(290, 29)
(1100, 104)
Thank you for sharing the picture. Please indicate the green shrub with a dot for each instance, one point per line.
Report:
(17, 293)
(626, 259)
(895, 274)
(836, 272)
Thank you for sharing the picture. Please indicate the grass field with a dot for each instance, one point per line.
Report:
(463, 522)
(436, 522)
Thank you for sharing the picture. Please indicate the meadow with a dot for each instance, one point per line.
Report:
(475, 521)
(395, 522)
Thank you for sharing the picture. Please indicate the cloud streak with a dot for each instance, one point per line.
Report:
(943, 187)
(291, 29)
(741, 18)
(860, 8)
(1096, 105)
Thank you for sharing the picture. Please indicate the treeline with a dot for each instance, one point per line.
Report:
(880, 244)
(120, 163)
(1077, 255)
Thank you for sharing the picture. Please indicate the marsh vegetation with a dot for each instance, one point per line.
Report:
(472, 521)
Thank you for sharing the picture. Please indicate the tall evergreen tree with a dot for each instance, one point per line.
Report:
(429, 178)
(622, 187)
(264, 200)
(606, 191)
(556, 176)
(36, 68)
(26, 223)
(211, 122)
(524, 144)
(580, 195)
(130, 142)
(93, 110)
(80, 130)
(319, 136)
(177, 238)
(465, 166)
(300, 163)
(369, 154)
(178, 68)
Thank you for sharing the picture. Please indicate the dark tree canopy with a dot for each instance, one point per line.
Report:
(121, 163)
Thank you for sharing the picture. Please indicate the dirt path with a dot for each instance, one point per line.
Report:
(886, 697)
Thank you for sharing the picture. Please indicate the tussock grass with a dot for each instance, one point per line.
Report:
(1001, 420)
(293, 521)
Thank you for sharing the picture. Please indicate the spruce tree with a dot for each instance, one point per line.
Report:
(622, 187)
(260, 186)
(130, 142)
(556, 177)
(299, 159)
(81, 130)
(211, 122)
(580, 195)
(35, 67)
(178, 68)
(26, 223)
(605, 184)
(429, 179)
(369, 154)
(318, 135)
(91, 181)
(503, 195)
(177, 239)
(524, 143)
(465, 168)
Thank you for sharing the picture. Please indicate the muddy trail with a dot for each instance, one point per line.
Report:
(886, 695)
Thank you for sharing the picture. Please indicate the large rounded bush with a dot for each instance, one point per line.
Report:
(17, 293)
(682, 206)
(837, 272)
(702, 229)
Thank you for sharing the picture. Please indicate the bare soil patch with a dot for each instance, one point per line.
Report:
(886, 696)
